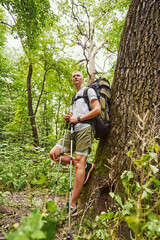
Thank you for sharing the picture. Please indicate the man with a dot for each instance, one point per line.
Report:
(82, 137)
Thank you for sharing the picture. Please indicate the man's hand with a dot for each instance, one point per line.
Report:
(73, 119)
(70, 118)
(67, 117)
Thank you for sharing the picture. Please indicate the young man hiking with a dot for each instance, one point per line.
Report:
(82, 137)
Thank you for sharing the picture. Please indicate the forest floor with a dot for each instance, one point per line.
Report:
(22, 204)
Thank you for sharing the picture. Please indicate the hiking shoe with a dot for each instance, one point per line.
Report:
(73, 209)
(88, 170)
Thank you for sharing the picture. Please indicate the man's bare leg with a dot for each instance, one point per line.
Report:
(55, 156)
(80, 163)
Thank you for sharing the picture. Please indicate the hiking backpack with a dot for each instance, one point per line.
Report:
(101, 122)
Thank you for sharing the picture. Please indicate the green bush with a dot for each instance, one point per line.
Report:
(29, 167)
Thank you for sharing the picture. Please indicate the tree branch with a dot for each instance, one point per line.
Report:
(78, 23)
(10, 26)
(98, 48)
(109, 50)
(82, 60)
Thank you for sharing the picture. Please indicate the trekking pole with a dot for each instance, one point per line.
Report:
(62, 149)
(70, 187)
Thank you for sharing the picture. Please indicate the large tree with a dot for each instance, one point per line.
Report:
(135, 90)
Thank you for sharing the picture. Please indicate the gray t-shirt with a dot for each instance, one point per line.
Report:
(80, 107)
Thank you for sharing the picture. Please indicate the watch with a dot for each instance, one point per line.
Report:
(78, 118)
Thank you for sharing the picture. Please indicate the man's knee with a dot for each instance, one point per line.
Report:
(55, 153)
(78, 158)
(80, 161)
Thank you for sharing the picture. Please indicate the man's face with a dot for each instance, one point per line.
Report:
(77, 78)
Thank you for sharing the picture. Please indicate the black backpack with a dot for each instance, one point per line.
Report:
(103, 91)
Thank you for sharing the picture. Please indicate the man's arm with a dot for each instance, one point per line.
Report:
(96, 110)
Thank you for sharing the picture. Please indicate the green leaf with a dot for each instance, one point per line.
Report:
(154, 169)
(127, 208)
(22, 236)
(112, 194)
(145, 158)
(51, 206)
(153, 228)
(49, 228)
(147, 190)
(16, 236)
(156, 182)
(154, 156)
(7, 201)
(137, 187)
(106, 215)
(130, 153)
(157, 137)
(38, 234)
(152, 216)
(127, 175)
(146, 193)
(119, 200)
(33, 222)
(133, 222)
(40, 181)
(88, 222)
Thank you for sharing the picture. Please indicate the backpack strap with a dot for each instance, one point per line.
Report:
(86, 99)
(75, 99)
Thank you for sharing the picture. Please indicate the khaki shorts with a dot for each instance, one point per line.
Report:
(82, 141)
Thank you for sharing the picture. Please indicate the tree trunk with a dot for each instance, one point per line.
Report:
(91, 62)
(30, 108)
(135, 89)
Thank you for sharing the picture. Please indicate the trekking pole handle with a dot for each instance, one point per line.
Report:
(66, 126)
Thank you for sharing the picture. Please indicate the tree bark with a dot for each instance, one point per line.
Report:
(135, 89)
(30, 108)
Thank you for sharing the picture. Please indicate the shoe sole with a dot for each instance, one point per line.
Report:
(74, 214)
(89, 173)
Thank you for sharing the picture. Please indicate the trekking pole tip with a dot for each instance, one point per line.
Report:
(69, 236)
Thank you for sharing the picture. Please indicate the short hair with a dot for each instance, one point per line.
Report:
(78, 72)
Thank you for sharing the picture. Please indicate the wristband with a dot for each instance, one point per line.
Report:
(78, 118)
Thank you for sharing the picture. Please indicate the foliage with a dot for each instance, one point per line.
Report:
(29, 18)
(35, 226)
(3, 197)
(24, 167)
(5, 70)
